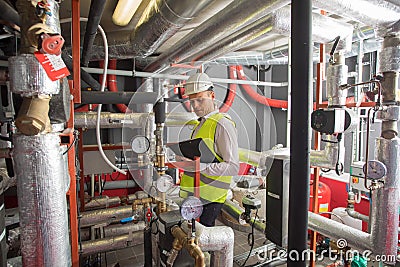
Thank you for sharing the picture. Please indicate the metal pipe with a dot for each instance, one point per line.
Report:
(95, 14)
(92, 97)
(325, 29)
(224, 23)
(328, 157)
(356, 215)
(111, 120)
(385, 200)
(300, 134)
(181, 240)
(8, 13)
(219, 239)
(179, 77)
(39, 168)
(107, 216)
(336, 75)
(330, 228)
(375, 13)
(111, 243)
(115, 230)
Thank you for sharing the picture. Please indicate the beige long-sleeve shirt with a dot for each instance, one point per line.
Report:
(225, 145)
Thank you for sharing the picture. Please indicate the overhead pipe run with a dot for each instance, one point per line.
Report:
(376, 13)
(95, 14)
(223, 24)
(159, 21)
(325, 30)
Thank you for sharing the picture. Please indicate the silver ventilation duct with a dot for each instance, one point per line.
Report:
(376, 13)
(223, 24)
(39, 169)
(159, 21)
(325, 29)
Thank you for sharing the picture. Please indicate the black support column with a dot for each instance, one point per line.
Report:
(300, 133)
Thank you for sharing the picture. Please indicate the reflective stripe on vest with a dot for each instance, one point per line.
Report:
(212, 188)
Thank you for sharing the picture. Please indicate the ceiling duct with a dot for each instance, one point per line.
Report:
(224, 23)
(159, 21)
(375, 13)
(325, 29)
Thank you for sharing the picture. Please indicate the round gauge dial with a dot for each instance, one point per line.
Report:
(140, 144)
(376, 169)
(164, 183)
(191, 208)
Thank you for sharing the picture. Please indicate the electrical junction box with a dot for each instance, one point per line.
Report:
(357, 176)
(331, 120)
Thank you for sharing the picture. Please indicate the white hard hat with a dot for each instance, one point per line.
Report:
(197, 83)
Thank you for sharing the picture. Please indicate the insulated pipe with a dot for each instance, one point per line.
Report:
(325, 29)
(39, 168)
(87, 120)
(336, 75)
(224, 23)
(386, 200)
(111, 243)
(159, 21)
(107, 216)
(330, 228)
(111, 120)
(219, 239)
(375, 13)
(95, 14)
(300, 135)
(328, 157)
(115, 230)
(8, 13)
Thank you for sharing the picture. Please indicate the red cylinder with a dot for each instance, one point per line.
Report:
(324, 198)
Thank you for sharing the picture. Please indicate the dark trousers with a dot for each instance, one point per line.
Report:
(210, 213)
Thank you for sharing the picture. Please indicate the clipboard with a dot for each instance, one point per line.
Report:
(193, 148)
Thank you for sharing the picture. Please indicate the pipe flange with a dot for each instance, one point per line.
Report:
(28, 78)
(390, 113)
(389, 59)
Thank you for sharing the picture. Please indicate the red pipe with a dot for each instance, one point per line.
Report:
(283, 103)
(112, 83)
(226, 105)
(257, 97)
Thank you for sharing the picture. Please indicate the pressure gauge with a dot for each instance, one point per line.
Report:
(140, 144)
(164, 183)
(376, 169)
(191, 208)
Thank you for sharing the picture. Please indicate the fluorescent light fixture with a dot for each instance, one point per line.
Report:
(124, 11)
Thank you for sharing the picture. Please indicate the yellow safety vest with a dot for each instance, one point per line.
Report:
(212, 188)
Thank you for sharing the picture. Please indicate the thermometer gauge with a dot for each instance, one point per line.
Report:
(164, 183)
(376, 169)
(140, 144)
(191, 208)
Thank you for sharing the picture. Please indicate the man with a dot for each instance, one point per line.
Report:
(219, 133)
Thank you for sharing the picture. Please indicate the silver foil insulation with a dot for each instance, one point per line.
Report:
(39, 168)
(389, 59)
(28, 78)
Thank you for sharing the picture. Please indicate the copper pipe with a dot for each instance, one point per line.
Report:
(76, 53)
(143, 201)
(190, 244)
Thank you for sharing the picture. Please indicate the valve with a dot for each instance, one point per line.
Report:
(148, 215)
(51, 44)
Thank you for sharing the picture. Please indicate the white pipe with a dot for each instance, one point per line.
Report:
(103, 83)
(219, 239)
(179, 77)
